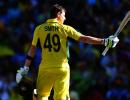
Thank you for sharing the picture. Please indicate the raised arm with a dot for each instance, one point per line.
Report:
(91, 40)
(109, 42)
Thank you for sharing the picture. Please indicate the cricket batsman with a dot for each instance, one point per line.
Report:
(54, 70)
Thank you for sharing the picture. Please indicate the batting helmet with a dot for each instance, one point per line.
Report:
(26, 86)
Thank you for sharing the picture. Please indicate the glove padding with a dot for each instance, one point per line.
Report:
(20, 73)
(111, 41)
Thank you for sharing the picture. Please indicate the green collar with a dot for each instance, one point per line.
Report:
(52, 21)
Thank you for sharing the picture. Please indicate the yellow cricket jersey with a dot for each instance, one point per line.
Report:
(53, 41)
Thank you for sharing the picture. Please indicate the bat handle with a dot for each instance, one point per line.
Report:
(105, 51)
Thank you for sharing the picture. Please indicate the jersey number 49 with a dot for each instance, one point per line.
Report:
(52, 42)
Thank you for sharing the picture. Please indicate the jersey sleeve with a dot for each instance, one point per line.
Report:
(35, 36)
(71, 32)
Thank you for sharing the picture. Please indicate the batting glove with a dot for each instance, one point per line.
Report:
(21, 72)
(111, 41)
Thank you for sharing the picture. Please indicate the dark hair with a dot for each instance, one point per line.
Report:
(55, 9)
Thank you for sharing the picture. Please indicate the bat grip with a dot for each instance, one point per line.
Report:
(105, 51)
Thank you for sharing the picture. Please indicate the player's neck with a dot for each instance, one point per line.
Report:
(59, 21)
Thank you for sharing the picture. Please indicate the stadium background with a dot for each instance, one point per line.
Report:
(93, 77)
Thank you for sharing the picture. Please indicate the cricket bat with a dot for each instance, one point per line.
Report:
(122, 25)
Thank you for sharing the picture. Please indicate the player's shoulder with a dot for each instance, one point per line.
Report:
(67, 27)
(64, 25)
(40, 25)
(37, 27)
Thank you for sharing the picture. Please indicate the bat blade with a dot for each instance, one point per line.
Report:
(122, 25)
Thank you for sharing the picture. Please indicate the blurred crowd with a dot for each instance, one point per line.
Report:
(93, 76)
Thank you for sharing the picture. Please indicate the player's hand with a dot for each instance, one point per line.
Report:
(111, 41)
(21, 72)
